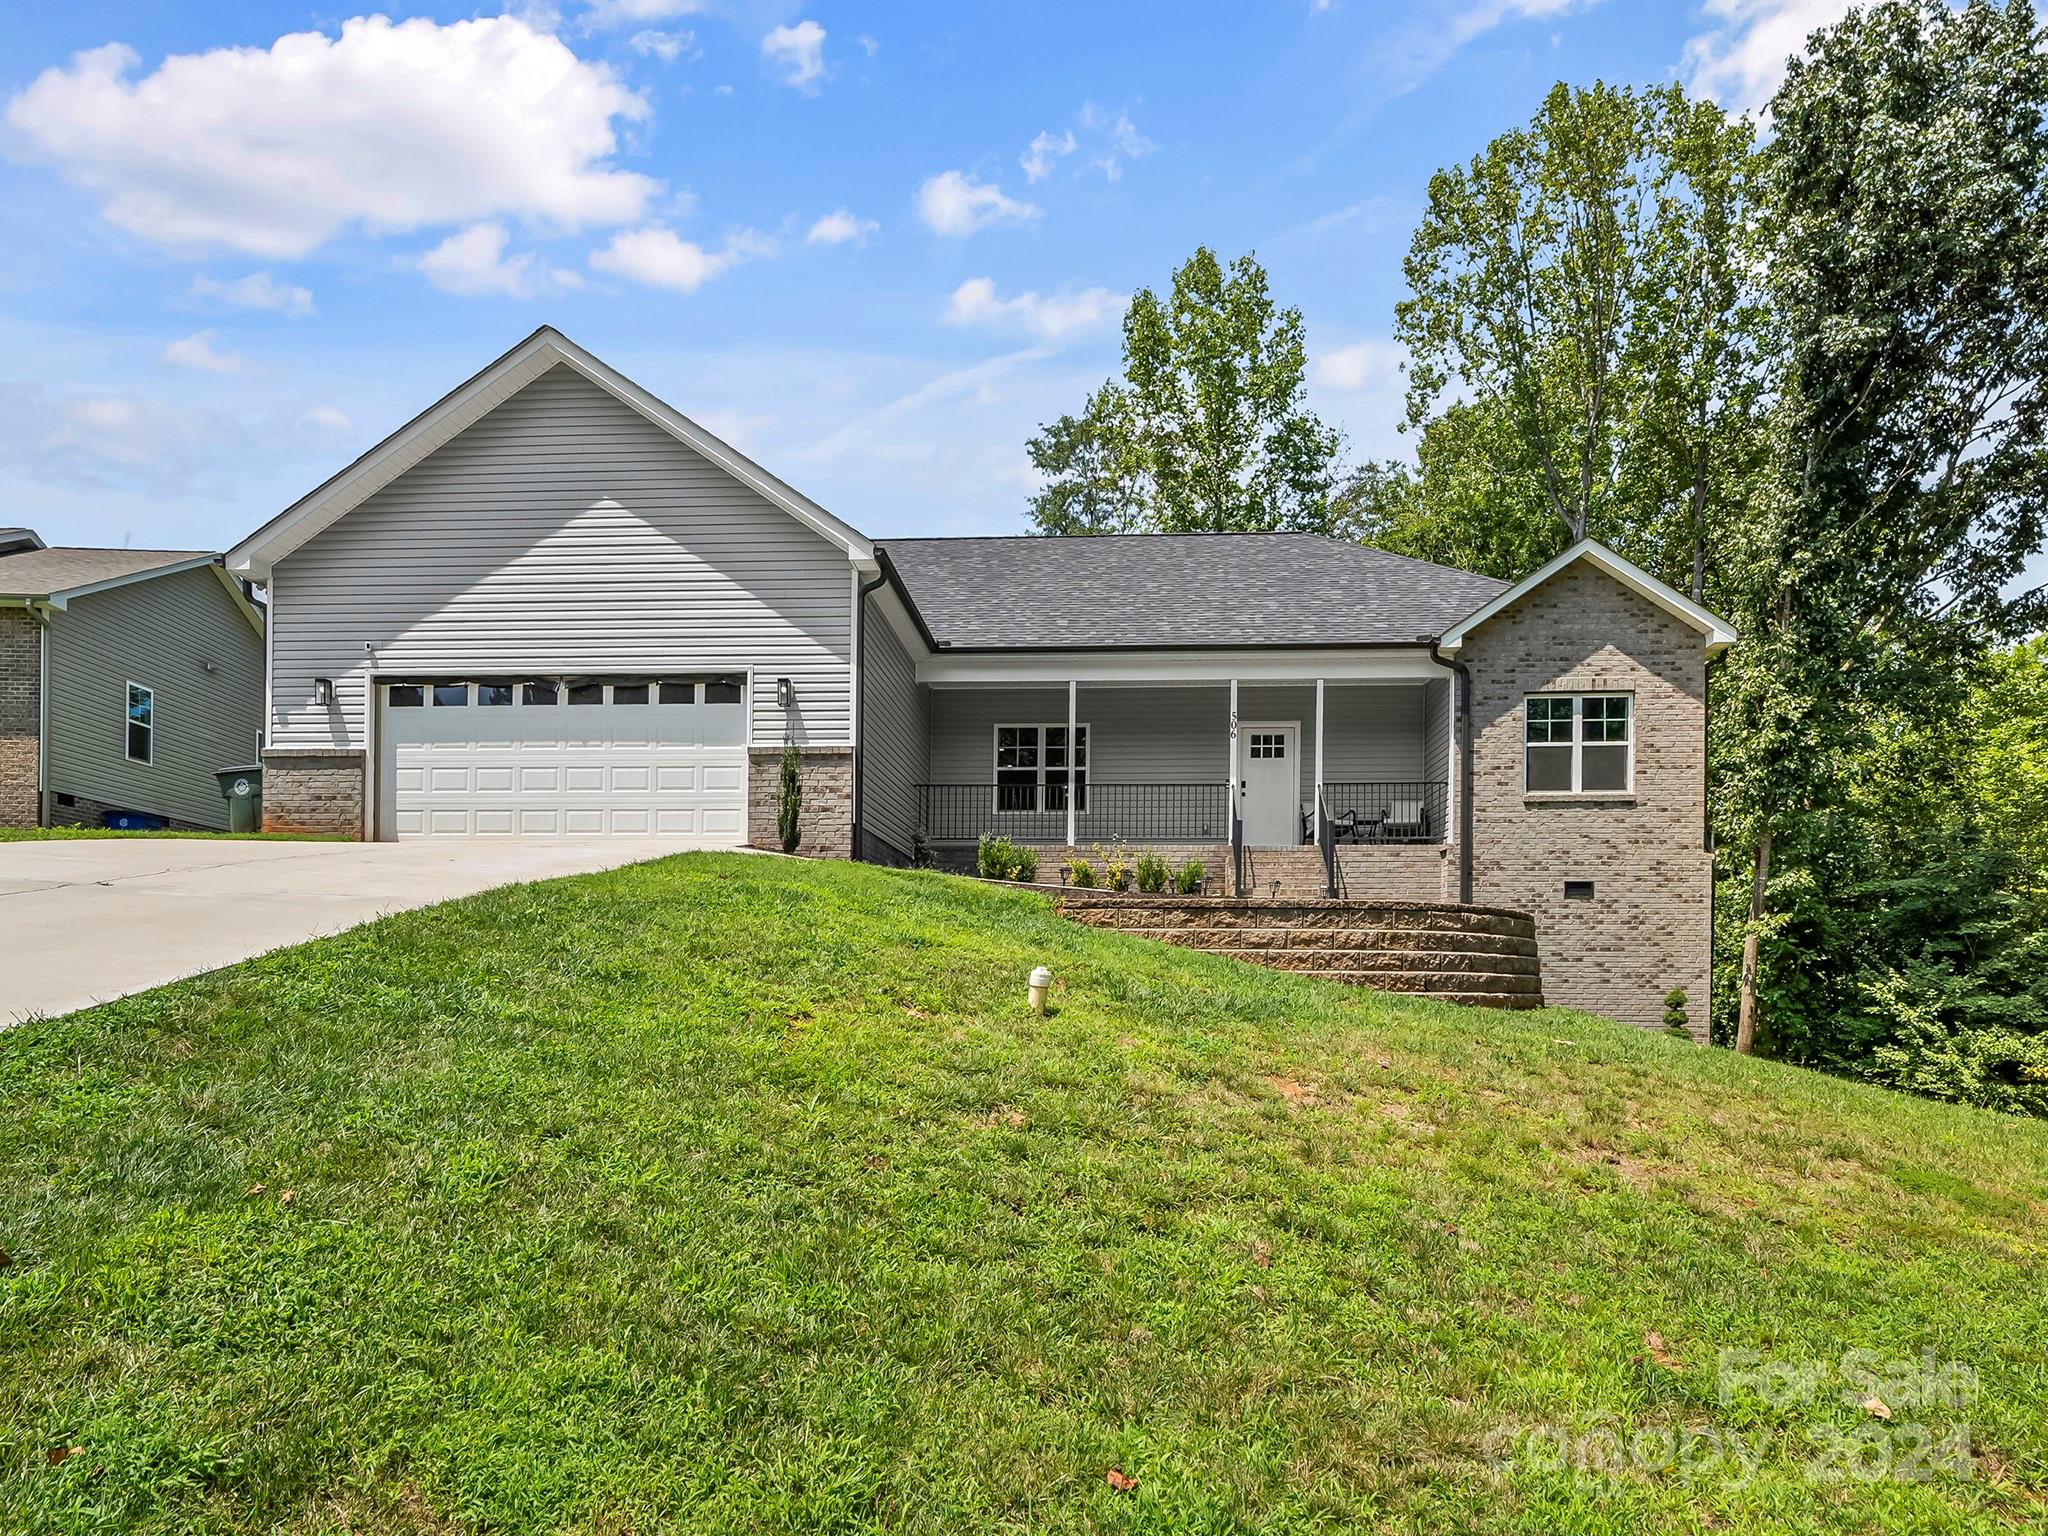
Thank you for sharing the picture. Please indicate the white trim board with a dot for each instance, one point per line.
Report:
(1719, 633)
(1098, 668)
(468, 403)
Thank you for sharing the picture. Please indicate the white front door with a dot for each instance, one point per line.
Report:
(1269, 768)
(538, 758)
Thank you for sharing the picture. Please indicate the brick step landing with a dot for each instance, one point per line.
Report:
(1483, 956)
(1299, 870)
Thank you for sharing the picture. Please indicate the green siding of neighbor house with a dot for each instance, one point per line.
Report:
(160, 633)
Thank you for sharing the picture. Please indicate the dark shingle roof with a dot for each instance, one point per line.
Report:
(40, 572)
(1195, 589)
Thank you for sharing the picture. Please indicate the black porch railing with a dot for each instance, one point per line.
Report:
(1103, 813)
(1390, 811)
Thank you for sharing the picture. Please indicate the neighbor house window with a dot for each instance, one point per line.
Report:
(1031, 767)
(141, 723)
(1577, 743)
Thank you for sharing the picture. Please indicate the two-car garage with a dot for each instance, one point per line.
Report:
(574, 756)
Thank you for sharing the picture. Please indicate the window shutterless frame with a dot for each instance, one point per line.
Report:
(141, 723)
(1031, 768)
(1578, 743)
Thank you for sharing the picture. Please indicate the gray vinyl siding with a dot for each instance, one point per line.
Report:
(159, 633)
(563, 532)
(1160, 735)
(1436, 740)
(895, 740)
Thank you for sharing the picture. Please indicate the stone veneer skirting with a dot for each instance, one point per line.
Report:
(825, 823)
(1484, 956)
(313, 791)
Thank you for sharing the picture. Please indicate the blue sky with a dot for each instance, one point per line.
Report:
(875, 247)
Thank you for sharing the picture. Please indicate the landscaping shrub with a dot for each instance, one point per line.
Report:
(1152, 873)
(997, 858)
(1080, 872)
(1674, 1013)
(1116, 867)
(1189, 880)
(789, 801)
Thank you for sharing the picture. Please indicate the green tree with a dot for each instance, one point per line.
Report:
(1207, 431)
(1909, 276)
(1585, 337)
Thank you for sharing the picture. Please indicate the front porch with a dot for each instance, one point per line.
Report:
(1295, 788)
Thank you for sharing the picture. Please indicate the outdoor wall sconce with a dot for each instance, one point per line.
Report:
(323, 692)
(785, 692)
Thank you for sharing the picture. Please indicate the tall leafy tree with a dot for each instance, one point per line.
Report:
(1208, 430)
(1908, 266)
(1583, 323)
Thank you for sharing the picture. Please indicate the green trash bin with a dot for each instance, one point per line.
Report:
(243, 790)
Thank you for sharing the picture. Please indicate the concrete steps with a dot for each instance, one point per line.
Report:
(1483, 956)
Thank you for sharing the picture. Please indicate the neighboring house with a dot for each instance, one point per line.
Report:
(128, 677)
(552, 605)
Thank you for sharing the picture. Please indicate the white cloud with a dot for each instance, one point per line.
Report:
(472, 262)
(800, 53)
(1367, 365)
(1040, 154)
(626, 13)
(953, 203)
(1053, 317)
(1740, 63)
(197, 351)
(868, 45)
(665, 46)
(259, 290)
(1117, 140)
(840, 226)
(1426, 47)
(1109, 140)
(390, 126)
(327, 418)
(657, 256)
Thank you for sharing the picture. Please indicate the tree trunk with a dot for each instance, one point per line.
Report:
(1745, 1024)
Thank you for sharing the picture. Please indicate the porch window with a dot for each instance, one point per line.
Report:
(1577, 743)
(1031, 767)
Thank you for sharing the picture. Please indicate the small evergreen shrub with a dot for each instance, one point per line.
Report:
(1190, 877)
(921, 851)
(789, 801)
(1675, 1020)
(1116, 867)
(1152, 873)
(997, 858)
(1080, 872)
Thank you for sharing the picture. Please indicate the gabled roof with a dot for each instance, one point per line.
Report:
(546, 348)
(14, 539)
(1166, 591)
(1718, 632)
(55, 577)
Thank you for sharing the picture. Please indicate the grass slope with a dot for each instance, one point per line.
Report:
(740, 1194)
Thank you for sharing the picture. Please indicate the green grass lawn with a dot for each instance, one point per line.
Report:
(743, 1194)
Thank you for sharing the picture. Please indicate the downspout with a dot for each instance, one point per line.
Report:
(859, 681)
(1462, 693)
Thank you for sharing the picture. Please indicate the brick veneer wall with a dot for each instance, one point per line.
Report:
(1648, 926)
(1397, 871)
(21, 716)
(313, 792)
(825, 823)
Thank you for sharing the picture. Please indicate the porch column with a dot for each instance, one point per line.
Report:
(1233, 749)
(1073, 745)
(1319, 754)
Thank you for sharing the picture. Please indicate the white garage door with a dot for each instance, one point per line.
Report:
(584, 757)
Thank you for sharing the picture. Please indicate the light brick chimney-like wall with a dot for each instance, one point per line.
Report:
(1648, 924)
(21, 716)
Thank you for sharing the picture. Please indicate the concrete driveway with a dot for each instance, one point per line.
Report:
(85, 920)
